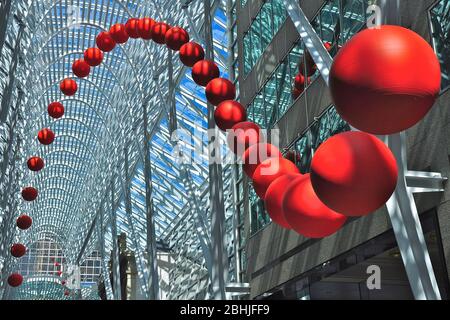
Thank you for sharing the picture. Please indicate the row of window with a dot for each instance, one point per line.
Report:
(266, 24)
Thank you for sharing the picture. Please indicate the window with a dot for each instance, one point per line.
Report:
(440, 26)
(263, 28)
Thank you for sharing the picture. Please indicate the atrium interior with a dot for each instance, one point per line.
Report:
(224, 149)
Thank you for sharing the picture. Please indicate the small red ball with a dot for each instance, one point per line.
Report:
(55, 110)
(256, 154)
(269, 170)
(243, 135)
(66, 293)
(93, 56)
(35, 164)
(273, 201)
(385, 80)
(204, 71)
(23, 222)
(68, 86)
(229, 113)
(176, 37)
(131, 28)
(299, 82)
(190, 53)
(119, 33)
(80, 68)
(306, 214)
(15, 280)
(29, 194)
(46, 136)
(105, 42)
(63, 282)
(354, 173)
(18, 250)
(144, 28)
(59, 272)
(219, 90)
(159, 31)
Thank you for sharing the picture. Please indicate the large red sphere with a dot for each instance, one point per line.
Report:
(190, 53)
(385, 80)
(29, 194)
(176, 37)
(273, 201)
(18, 250)
(15, 280)
(306, 214)
(204, 71)
(55, 110)
(35, 163)
(80, 68)
(269, 170)
(46, 136)
(105, 42)
(354, 173)
(144, 28)
(243, 135)
(93, 56)
(219, 90)
(256, 154)
(228, 113)
(23, 222)
(159, 31)
(119, 33)
(131, 28)
(68, 86)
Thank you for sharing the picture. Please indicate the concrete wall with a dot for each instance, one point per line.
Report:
(276, 255)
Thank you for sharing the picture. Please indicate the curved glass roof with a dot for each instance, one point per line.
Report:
(104, 120)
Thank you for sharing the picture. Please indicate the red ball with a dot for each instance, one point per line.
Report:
(219, 90)
(354, 173)
(59, 272)
(35, 164)
(204, 71)
(306, 214)
(55, 110)
(269, 170)
(93, 56)
(80, 68)
(176, 37)
(23, 222)
(299, 82)
(131, 28)
(15, 280)
(66, 293)
(229, 113)
(18, 250)
(385, 80)
(63, 282)
(119, 33)
(29, 194)
(159, 30)
(243, 135)
(68, 86)
(46, 136)
(190, 53)
(256, 154)
(105, 42)
(274, 198)
(144, 28)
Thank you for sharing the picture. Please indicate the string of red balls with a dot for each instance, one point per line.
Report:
(352, 173)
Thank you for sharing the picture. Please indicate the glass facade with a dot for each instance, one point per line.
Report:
(440, 25)
(262, 29)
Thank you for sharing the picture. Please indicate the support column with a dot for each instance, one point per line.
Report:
(218, 250)
(117, 294)
(151, 232)
(101, 240)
